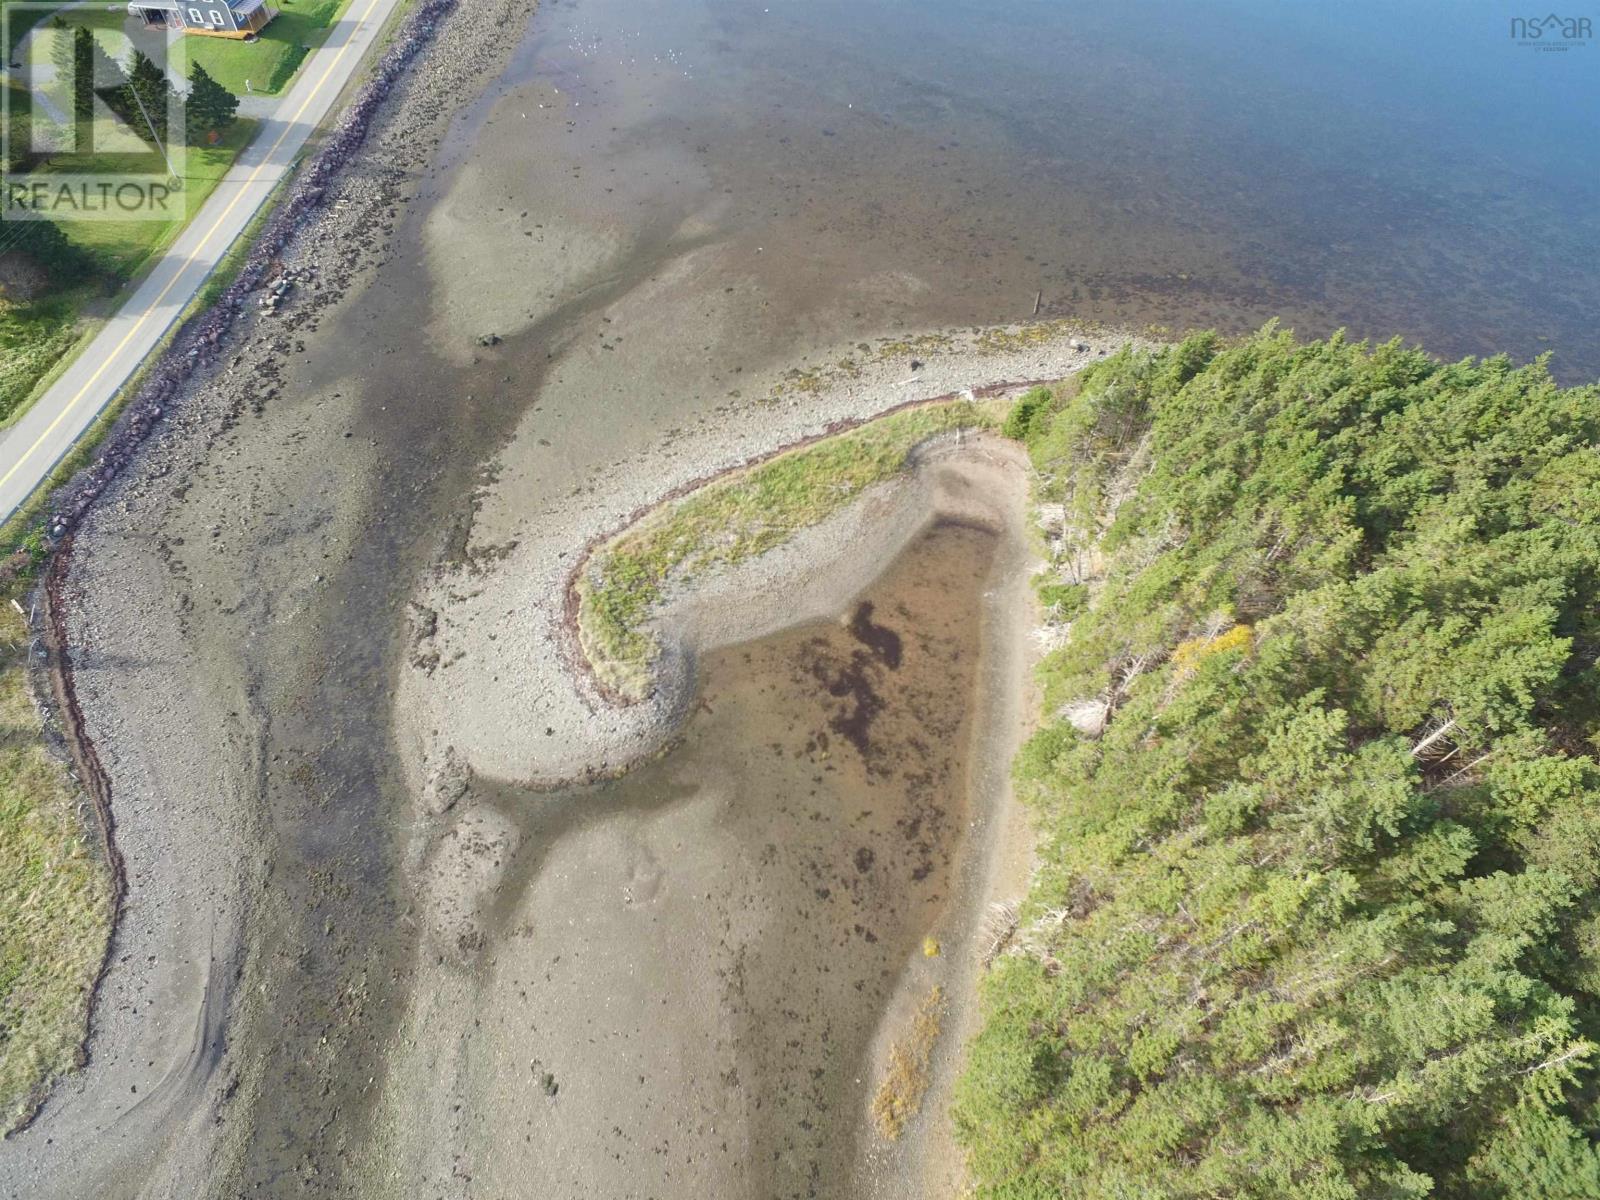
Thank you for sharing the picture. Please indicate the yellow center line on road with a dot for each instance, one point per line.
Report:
(150, 309)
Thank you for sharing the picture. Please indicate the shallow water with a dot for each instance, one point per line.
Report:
(728, 924)
(1406, 170)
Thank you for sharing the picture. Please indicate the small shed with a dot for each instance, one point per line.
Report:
(215, 18)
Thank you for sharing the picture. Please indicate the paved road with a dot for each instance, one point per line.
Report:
(31, 448)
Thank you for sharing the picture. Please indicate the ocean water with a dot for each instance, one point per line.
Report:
(1412, 170)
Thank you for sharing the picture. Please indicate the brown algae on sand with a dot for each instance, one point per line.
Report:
(910, 1070)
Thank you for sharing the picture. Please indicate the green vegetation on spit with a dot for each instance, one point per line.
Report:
(738, 517)
(1316, 913)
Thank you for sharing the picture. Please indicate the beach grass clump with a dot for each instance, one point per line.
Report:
(33, 338)
(55, 898)
(738, 517)
(910, 1070)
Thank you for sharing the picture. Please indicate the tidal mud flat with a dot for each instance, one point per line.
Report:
(375, 942)
(188, 637)
(694, 979)
(239, 612)
(677, 983)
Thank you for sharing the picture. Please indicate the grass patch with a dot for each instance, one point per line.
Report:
(905, 1083)
(16, 25)
(269, 62)
(121, 248)
(33, 338)
(109, 27)
(736, 518)
(54, 891)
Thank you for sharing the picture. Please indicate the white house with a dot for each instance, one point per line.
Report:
(218, 18)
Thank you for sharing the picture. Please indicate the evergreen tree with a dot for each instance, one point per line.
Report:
(72, 55)
(107, 73)
(83, 48)
(211, 107)
(61, 47)
(150, 85)
(142, 100)
(1316, 912)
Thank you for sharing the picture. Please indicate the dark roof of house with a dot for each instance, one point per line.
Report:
(238, 6)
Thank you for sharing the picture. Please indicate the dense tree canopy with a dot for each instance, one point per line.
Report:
(1316, 913)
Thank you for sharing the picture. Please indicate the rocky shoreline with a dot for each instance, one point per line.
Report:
(198, 345)
(554, 722)
(107, 1131)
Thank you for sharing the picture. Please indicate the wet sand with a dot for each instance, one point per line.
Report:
(256, 569)
(681, 974)
(835, 793)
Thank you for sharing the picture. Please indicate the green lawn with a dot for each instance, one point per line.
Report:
(34, 336)
(106, 23)
(121, 247)
(269, 62)
(19, 24)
